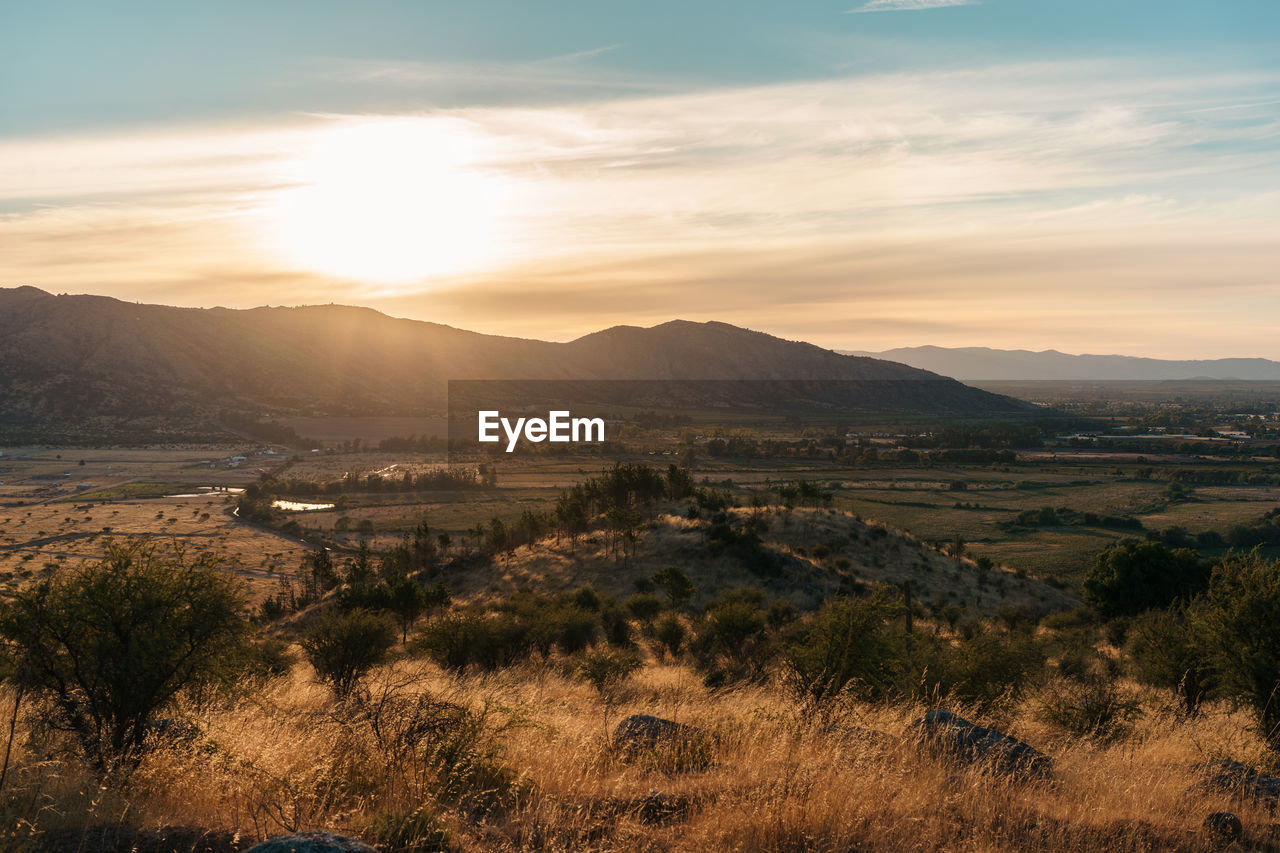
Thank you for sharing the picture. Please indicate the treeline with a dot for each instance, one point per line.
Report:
(1181, 447)
(863, 452)
(1065, 517)
(1222, 477)
(992, 436)
(1262, 532)
(482, 476)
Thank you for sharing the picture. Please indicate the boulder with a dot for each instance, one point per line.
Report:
(677, 747)
(312, 842)
(641, 731)
(1235, 777)
(1223, 827)
(960, 740)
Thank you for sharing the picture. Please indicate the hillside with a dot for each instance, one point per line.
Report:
(804, 555)
(72, 358)
(978, 363)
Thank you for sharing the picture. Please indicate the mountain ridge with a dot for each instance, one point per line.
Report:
(80, 356)
(985, 363)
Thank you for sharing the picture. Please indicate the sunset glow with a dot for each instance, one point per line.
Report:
(390, 201)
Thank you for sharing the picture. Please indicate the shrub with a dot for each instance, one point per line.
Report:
(644, 606)
(344, 647)
(987, 669)
(1240, 619)
(1092, 707)
(112, 642)
(845, 647)
(606, 668)
(488, 641)
(616, 625)
(568, 628)
(418, 831)
(1164, 653)
(671, 633)
(1132, 576)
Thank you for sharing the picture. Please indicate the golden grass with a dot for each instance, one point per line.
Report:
(288, 757)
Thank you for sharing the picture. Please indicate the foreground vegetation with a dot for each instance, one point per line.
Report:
(144, 708)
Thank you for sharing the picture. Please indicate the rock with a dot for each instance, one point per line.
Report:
(1237, 778)
(312, 842)
(645, 732)
(1224, 827)
(960, 740)
(676, 747)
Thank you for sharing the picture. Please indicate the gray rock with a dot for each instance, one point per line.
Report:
(960, 740)
(1237, 778)
(1223, 827)
(641, 731)
(312, 842)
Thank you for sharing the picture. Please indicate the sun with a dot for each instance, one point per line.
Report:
(390, 200)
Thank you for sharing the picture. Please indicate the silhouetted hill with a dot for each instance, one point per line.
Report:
(978, 363)
(78, 357)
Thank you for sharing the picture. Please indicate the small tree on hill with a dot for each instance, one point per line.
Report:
(675, 584)
(113, 642)
(344, 647)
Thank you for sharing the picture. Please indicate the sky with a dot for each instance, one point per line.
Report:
(1085, 176)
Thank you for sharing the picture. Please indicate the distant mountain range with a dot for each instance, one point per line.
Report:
(76, 358)
(981, 363)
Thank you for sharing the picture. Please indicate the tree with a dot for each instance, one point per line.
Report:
(1239, 618)
(675, 584)
(1132, 576)
(409, 599)
(113, 642)
(1166, 653)
(344, 647)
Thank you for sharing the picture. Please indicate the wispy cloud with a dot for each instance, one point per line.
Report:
(578, 56)
(908, 5)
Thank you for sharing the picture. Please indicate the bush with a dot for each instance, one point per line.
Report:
(606, 668)
(1164, 653)
(671, 633)
(1132, 576)
(1093, 707)
(344, 647)
(568, 628)
(1239, 617)
(644, 606)
(845, 647)
(987, 669)
(490, 642)
(112, 642)
(418, 831)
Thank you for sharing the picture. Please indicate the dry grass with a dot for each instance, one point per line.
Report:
(867, 551)
(537, 772)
